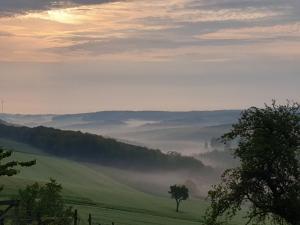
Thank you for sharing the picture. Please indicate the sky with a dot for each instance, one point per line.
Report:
(69, 56)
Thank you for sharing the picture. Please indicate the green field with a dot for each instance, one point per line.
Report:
(93, 190)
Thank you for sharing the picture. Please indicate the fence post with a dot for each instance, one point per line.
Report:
(75, 217)
(90, 219)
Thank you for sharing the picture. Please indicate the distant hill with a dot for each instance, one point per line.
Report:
(92, 148)
(205, 118)
(163, 117)
(3, 122)
(184, 132)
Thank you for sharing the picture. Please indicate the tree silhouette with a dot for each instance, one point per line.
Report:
(43, 204)
(10, 167)
(179, 193)
(268, 178)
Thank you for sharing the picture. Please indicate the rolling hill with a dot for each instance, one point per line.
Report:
(163, 118)
(183, 132)
(87, 147)
(94, 190)
(91, 191)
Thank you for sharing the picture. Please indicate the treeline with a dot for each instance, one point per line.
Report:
(92, 148)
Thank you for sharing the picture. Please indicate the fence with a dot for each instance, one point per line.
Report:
(10, 204)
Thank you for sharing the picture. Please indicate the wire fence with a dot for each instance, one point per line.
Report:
(11, 218)
(9, 215)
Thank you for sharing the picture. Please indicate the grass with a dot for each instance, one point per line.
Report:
(91, 190)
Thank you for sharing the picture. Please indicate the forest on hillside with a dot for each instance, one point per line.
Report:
(92, 148)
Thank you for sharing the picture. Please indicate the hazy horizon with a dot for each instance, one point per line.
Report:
(116, 110)
(163, 109)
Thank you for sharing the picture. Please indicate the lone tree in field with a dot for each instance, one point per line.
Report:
(179, 193)
(268, 178)
(10, 167)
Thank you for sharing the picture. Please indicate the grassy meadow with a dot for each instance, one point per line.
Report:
(93, 190)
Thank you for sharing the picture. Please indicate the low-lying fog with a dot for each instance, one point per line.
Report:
(158, 182)
(192, 134)
(189, 133)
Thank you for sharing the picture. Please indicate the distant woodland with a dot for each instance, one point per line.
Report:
(92, 148)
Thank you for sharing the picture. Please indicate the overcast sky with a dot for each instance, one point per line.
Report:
(66, 56)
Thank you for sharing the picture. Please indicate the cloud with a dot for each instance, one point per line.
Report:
(138, 27)
(156, 54)
(5, 34)
(255, 33)
(15, 7)
(241, 4)
(121, 45)
(144, 27)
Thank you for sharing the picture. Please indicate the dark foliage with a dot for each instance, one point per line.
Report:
(42, 204)
(268, 179)
(97, 149)
(179, 193)
(10, 167)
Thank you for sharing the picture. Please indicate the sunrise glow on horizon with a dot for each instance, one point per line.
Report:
(73, 56)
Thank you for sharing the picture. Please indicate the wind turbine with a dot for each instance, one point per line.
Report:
(2, 105)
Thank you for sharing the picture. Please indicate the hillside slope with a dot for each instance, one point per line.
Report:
(87, 147)
(183, 132)
(92, 191)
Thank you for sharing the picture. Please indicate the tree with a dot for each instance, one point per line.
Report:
(179, 193)
(268, 178)
(10, 167)
(43, 204)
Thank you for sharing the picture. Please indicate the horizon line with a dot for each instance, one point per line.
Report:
(102, 111)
